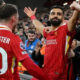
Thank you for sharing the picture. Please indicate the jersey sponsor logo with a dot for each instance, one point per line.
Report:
(4, 39)
(53, 41)
(22, 45)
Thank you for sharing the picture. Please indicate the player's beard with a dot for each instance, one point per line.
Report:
(55, 22)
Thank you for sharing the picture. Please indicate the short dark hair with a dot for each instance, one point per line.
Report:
(7, 10)
(57, 6)
(31, 31)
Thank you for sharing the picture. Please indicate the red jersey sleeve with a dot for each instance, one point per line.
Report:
(18, 48)
(72, 33)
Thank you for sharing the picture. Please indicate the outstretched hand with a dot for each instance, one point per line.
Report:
(29, 12)
(75, 6)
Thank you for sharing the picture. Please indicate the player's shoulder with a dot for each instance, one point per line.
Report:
(63, 26)
(15, 37)
(47, 29)
(12, 35)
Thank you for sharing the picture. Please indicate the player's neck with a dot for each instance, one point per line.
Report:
(54, 28)
(5, 26)
(8, 23)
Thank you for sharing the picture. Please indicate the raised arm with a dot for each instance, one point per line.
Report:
(31, 13)
(73, 20)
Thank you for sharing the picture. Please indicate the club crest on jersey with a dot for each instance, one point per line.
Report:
(22, 45)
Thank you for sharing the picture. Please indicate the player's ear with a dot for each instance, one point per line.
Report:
(12, 19)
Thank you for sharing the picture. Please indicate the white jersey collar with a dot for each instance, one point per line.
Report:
(4, 27)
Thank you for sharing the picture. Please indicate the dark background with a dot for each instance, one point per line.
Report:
(40, 4)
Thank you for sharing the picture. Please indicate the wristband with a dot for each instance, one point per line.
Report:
(33, 17)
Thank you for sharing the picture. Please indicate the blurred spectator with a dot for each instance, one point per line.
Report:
(75, 54)
(31, 43)
(71, 54)
(32, 28)
(39, 35)
(76, 62)
(21, 34)
(77, 35)
(36, 55)
(26, 28)
(43, 41)
(68, 13)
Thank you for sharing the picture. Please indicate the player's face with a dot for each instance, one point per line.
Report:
(31, 37)
(16, 20)
(56, 17)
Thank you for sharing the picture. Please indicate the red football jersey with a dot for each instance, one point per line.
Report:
(57, 45)
(10, 46)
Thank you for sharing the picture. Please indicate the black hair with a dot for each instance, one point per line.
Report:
(31, 31)
(7, 10)
(58, 6)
